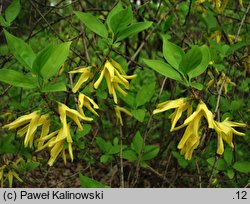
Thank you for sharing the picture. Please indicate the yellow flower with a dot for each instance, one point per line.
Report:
(180, 106)
(201, 110)
(85, 75)
(31, 122)
(225, 132)
(191, 137)
(65, 111)
(45, 121)
(118, 111)
(56, 142)
(11, 168)
(84, 100)
(114, 75)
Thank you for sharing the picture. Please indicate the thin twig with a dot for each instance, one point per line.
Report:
(213, 170)
(121, 159)
(148, 127)
(199, 173)
(242, 22)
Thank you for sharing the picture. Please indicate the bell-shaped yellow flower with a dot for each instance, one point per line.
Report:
(31, 122)
(118, 111)
(180, 105)
(55, 141)
(115, 76)
(201, 110)
(65, 111)
(225, 132)
(85, 75)
(191, 138)
(84, 100)
(167, 105)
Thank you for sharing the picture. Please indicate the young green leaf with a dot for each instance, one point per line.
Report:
(137, 143)
(114, 11)
(103, 145)
(121, 20)
(12, 11)
(87, 182)
(228, 155)
(145, 94)
(172, 53)
(3, 22)
(49, 60)
(191, 60)
(139, 114)
(21, 50)
(180, 159)
(150, 152)
(56, 87)
(130, 155)
(163, 69)
(16, 78)
(242, 166)
(133, 30)
(197, 85)
(92, 23)
(204, 62)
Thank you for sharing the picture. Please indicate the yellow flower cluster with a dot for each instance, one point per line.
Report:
(8, 172)
(29, 124)
(115, 76)
(58, 140)
(191, 137)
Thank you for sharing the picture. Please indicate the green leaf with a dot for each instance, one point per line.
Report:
(139, 114)
(137, 143)
(56, 87)
(130, 155)
(236, 47)
(228, 155)
(164, 69)
(133, 30)
(221, 165)
(114, 11)
(128, 99)
(121, 20)
(197, 86)
(180, 159)
(12, 11)
(106, 158)
(230, 173)
(150, 152)
(50, 59)
(191, 60)
(32, 165)
(145, 94)
(92, 23)
(21, 50)
(204, 62)
(87, 182)
(242, 166)
(114, 150)
(103, 145)
(172, 53)
(16, 78)
(3, 22)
